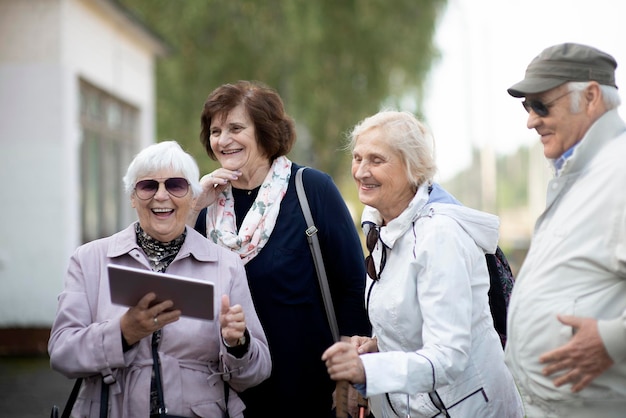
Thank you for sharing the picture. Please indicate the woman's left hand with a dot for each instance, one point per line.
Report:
(212, 185)
(364, 344)
(343, 362)
(232, 321)
(146, 317)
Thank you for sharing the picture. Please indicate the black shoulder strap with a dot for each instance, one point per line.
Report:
(316, 252)
(67, 410)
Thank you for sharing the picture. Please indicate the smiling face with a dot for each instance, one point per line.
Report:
(233, 140)
(380, 175)
(162, 216)
(561, 128)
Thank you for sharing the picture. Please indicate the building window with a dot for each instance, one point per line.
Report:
(109, 142)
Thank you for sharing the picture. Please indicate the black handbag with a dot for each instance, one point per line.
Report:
(67, 410)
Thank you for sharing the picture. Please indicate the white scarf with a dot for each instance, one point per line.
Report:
(258, 223)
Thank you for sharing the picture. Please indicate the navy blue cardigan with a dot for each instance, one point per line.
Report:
(286, 294)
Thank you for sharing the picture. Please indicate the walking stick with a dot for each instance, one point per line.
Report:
(342, 399)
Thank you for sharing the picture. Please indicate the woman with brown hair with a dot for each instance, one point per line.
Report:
(253, 209)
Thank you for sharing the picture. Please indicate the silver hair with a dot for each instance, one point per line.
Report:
(610, 95)
(164, 155)
(408, 137)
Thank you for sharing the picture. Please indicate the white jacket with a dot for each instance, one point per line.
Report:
(576, 265)
(430, 314)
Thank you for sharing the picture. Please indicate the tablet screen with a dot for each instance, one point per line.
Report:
(193, 297)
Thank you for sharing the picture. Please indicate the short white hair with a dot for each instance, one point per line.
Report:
(610, 95)
(166, 155)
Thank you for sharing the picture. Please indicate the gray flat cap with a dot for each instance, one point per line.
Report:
(561, 63)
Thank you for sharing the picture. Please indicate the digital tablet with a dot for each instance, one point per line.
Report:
(193, 297)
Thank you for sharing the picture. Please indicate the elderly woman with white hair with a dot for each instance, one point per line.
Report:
(434, 350)
(152, 360)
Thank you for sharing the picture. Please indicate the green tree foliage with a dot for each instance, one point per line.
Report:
(333, 62)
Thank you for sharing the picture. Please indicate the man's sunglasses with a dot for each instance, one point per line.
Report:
(176, 186)
(540, 108)
(370, 243)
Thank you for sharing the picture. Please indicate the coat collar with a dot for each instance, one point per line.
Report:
(608, 127)
(398, 226)
(482, 227)
(195, 245)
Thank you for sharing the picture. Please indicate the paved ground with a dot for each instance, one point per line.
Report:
(29, 388)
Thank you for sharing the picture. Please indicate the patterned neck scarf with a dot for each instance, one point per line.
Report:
(258, 223)
(160, 254)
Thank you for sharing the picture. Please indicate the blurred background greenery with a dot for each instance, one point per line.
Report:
(333, 62)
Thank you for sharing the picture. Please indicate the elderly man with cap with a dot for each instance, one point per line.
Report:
(567, 315)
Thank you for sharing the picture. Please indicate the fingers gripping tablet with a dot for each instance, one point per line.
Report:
(192, 296)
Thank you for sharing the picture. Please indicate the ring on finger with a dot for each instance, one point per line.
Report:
(156, 320)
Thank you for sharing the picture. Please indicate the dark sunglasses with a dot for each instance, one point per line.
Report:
(540, 108)
(176, 186)
(370, 243)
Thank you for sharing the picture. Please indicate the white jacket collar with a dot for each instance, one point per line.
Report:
(482, 227)
(398, 226)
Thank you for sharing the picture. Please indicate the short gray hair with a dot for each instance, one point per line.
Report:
(163, 156)
(610, 95)
(408, 137)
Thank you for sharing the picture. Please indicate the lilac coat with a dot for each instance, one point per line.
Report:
(85, 340)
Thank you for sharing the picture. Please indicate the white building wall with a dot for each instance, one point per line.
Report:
(46, 47)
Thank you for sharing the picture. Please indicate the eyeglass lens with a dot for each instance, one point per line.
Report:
(176, 186)
(371, 239)
(540, 108)
(370, 242)
(536, 106)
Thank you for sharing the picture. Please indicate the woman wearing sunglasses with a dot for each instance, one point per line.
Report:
(253, 210)
(434, 350)
(150, 356)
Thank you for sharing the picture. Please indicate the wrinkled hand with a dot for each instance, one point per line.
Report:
(212, 185)
(142, 319)
(232, 321)
(364, 344)
(582, 359)
(343, 362)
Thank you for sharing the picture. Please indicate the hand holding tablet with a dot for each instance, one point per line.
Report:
(193, 297)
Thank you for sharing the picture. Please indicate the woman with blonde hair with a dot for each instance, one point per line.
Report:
(433, 350)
